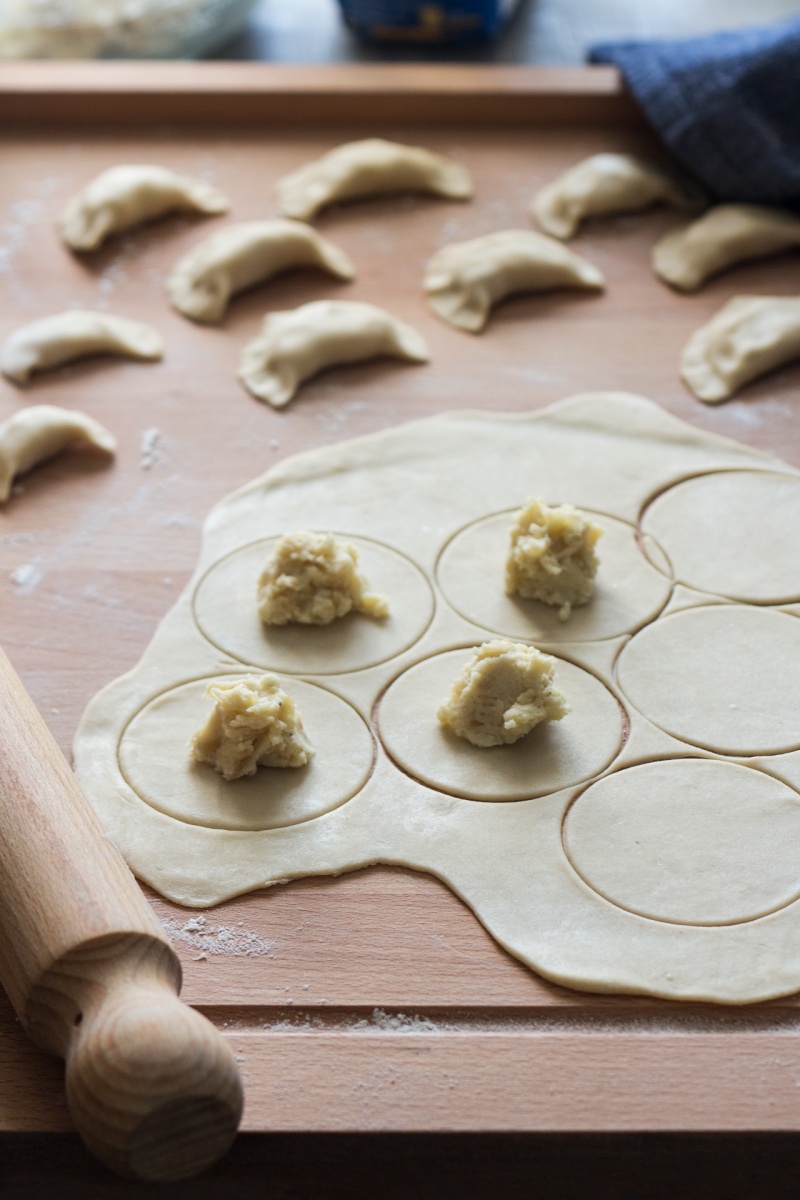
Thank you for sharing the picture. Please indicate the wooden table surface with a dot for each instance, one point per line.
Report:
(373, 1002)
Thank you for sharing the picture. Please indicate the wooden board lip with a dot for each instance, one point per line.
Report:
(245, 94)
(74, 77)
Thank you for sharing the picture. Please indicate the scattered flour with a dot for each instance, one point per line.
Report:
(174, 521)
(23, 215)
(149, 453)
(27, 577)
(198, 934)
(394, 1023)
(584, 1025)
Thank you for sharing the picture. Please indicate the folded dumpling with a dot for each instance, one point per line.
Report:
(128, 195)
(722, 237)
(609, 183)
(240, 256)
(749, 336)
(465, 279)
(51, 341)
(370, 167)
(42, 431)
(294, 345)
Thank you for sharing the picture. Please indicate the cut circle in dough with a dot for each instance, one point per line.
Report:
(628, 593)
(156, 762)
(688, 841)
(719, 531)
(226, 611)
(554, 755)
(723, 677)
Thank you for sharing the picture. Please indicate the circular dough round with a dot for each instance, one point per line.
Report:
(554, 755)
(689, 841)
(721, 677)
(225, 608)
(720, 530)
(628, 593)
(155, 759)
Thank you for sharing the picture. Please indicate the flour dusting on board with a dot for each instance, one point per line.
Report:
(27, 577)
(148, 446)
(198, 934)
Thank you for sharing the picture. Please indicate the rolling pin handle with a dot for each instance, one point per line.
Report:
(152, 1086)
(153, 1089)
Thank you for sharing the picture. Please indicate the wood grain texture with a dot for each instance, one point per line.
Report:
(248, 95)
(151, 1086)
(92, 556)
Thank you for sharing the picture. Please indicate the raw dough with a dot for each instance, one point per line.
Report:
(721, 238)
(552, 556)
(127, 195)
(465, 279)
(608, 183)
(51, 341)
(237, 257)
(749, 336)
(722, 677)
(370, 167)
(313, 579)
(38, 433)
(292, 346)
(504, 691)
(719, 530)
(253, 724)
(490, 823)
(689, 841)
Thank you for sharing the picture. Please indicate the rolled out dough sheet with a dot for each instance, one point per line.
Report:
(649, 842)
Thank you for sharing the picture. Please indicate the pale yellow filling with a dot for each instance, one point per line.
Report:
(552, 556)
(504, 692)
(313, 578)
(253, 724)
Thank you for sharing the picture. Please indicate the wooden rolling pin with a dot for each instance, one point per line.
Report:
(152, 1087)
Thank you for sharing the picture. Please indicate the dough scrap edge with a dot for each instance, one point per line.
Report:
(248, 862)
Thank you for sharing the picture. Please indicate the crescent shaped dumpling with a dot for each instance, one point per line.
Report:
(77, 333)
(240, 256)
(371, 167)
(608, 183)
(465, 279)
(128, 195)
(40, 432)
(722, 237)
(294, 345)
(749, 336)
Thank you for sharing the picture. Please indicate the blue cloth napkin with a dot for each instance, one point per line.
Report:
(726, 104)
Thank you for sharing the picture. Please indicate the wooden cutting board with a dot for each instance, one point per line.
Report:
(374, 1001)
